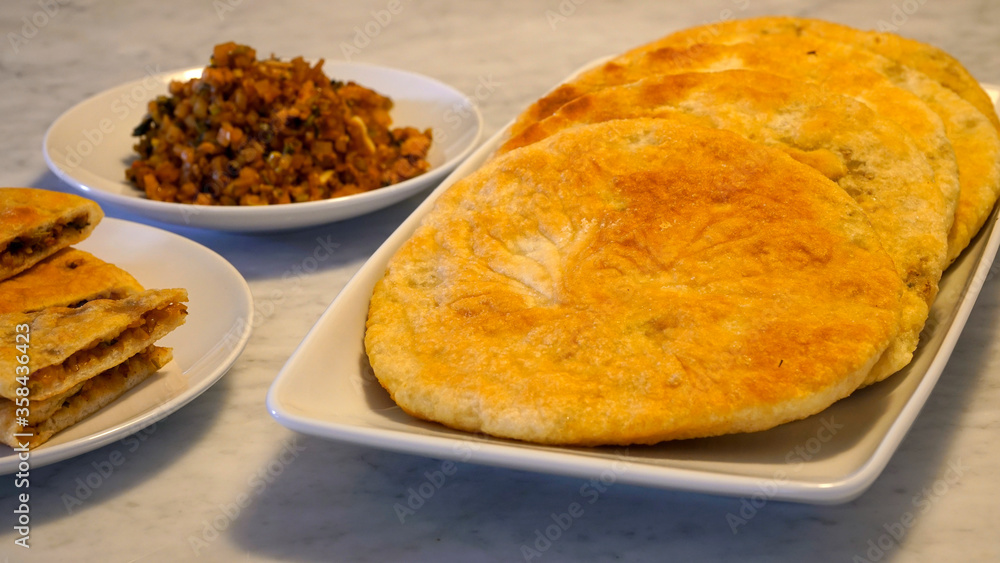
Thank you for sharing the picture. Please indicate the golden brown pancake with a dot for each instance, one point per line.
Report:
(66, 409)
(971, 126)
(35, 224)
(928, 59)
(894, 91)
(871, 158)
(633, 281)
(832, 73)
(69, 346)
(68, 278)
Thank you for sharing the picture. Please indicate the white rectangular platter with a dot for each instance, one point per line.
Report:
(327, 389)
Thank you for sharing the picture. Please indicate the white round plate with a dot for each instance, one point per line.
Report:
(220, 314)
(90, 146)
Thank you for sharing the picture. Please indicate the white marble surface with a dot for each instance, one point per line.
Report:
(222, 481)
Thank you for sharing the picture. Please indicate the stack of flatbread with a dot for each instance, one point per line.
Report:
(721, 231)
(77, 332)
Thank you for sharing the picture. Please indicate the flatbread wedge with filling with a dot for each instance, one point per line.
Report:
(68, 278)
(69, 346)
(61, 411)
(630, 282)
(35, 224)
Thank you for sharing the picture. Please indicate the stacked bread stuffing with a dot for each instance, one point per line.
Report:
(76, 332)
(721, 231)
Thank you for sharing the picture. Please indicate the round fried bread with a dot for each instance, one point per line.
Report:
(833, 71)
(857, 72)
(870, 157)
(633, 281)
(970, 122)
(928, 59)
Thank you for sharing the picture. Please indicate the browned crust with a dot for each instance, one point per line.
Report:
(68, 278)
(35, 223)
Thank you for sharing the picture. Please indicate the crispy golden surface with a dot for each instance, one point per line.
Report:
(35, 223)
(972, 133)
(630, 282)
(69, 346)
(68, 408)
(922, 57)
(68, 278)
(870, 157)
(832, 70)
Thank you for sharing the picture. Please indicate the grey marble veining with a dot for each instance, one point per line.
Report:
(179, 494)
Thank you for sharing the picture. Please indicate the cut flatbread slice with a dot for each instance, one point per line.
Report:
(68, 278)
(633, 281)
(928, 59)
(66, 409)
(35, 224)
(68, 346)
(872, 158)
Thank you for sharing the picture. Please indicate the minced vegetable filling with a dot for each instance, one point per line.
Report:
(138, 330)
(20, 248)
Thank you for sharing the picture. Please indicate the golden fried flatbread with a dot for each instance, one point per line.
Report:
(922, 57)
(633, 281)
(878, 82)
(970, 128)
(871, 158)
(68, 278)
(35, 224)
(47, 417)
(68, 346)
(833, 72)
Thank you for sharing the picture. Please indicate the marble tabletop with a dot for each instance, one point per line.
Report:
(220, 480)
